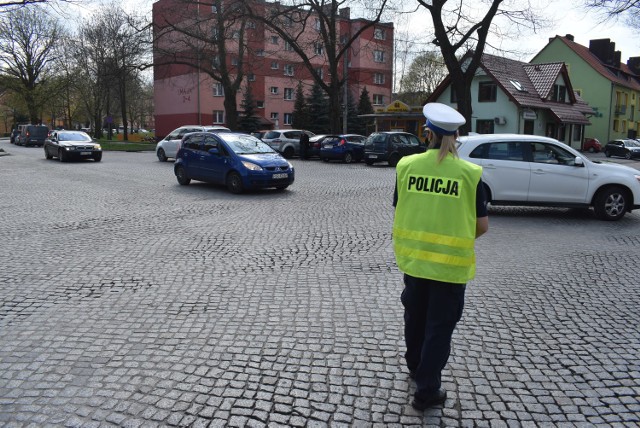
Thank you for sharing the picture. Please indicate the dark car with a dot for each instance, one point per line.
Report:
(623, 147)
(238, 161)
(347, 148)
(68, 145)
(13, 139)
(391, 147)
(32, 135)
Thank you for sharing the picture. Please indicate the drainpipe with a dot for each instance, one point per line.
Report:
(610, 124)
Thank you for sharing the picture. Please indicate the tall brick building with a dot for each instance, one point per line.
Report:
(187, 94)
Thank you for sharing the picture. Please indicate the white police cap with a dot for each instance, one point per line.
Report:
(442, 119)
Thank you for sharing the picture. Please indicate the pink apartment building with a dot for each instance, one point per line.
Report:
(185, 95)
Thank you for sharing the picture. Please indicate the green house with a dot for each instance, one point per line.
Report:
(610, 87)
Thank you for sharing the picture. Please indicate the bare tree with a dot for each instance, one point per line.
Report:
(425, 73)
(461, 32)
(628, 10)
(292, 22)
(209, 37)
(27, 42)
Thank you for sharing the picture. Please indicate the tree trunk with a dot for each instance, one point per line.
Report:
(231, 109)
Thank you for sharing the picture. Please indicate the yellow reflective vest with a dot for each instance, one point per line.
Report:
(434, 227)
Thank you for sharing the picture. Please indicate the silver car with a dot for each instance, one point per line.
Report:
(169, 145)
(285, 141)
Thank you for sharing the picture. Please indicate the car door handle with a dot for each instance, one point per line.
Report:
(539, 171)
(490, 166)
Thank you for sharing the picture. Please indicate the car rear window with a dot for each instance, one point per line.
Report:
(272, 134)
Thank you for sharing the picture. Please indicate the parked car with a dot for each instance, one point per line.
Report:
(169, 145)
(238, 161)
(32, 135)
(591, 145)
(391, 146)
(259, 134)
(540, 171)
(285, 141)
(67, 145)
(347, 148)
(624, 147)
(14, 136)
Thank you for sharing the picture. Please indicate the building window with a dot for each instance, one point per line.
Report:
(487, 92)
(317, 24)
(251, 77)
(378, 78)
(235, 34)
(215, 8)
(218, 90)
(559, 93)
(274, 116)
(215, 33)
(378, 56)
(260, 104)
(288, 118)
(288, 70)
(484, 126)
(215, 62)
(318, 49)
(288, 93)
(275, 40)
(274, 90)
(378, 99)
(234, 60)
(320, 72)
(287, 21)
(260, 52)
(379, 34)
(274, 65)
(251, 24)
(287, 46)
(218, 116)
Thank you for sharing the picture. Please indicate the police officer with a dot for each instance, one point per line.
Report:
(440, 210)
(304, 146)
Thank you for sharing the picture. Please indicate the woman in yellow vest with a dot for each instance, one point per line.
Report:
(440, 210)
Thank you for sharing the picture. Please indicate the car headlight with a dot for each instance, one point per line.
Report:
(289, 163)
(97, 147)
(251, 166)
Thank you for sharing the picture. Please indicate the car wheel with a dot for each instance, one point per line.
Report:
(610, 203)
(47, 155)
(348, 157)
(288, 152)
(181, 175)
(97, 158)
(592, 149)
(393, 159)
(234, 182)
(62, 156)
(607, 153)
(368, 162)
(487, 192)
(162, 157)
(627, 155)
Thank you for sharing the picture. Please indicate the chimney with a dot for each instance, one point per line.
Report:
(603, 49)
(634, 64)
(569, 37)
(617, 56)
(345, 13)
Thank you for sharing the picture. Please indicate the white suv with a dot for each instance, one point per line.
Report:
(169, 145)
(285, 141)
(540, 171)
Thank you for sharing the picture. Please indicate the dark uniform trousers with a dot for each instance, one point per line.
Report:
(431, 311)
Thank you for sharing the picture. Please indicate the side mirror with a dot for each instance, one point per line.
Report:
(578, 161)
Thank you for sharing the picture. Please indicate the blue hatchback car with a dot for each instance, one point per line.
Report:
(238, 161)
(347, 148)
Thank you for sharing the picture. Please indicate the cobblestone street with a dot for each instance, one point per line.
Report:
(129, 300)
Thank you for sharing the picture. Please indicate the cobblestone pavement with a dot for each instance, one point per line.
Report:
(128, 300)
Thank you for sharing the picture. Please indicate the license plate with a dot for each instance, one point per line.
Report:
(277, 176)
(85, 153)
(373, 156)
(328, 147)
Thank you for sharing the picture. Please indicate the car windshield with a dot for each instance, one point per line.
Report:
(246, 144)
(73, 136)
(631, 143)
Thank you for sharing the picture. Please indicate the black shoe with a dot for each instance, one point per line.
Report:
(422, 403)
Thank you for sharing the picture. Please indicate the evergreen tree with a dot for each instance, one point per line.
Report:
(353, 121)
(367, 125)
(301, 118)
(248, 121)
(318, 110)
